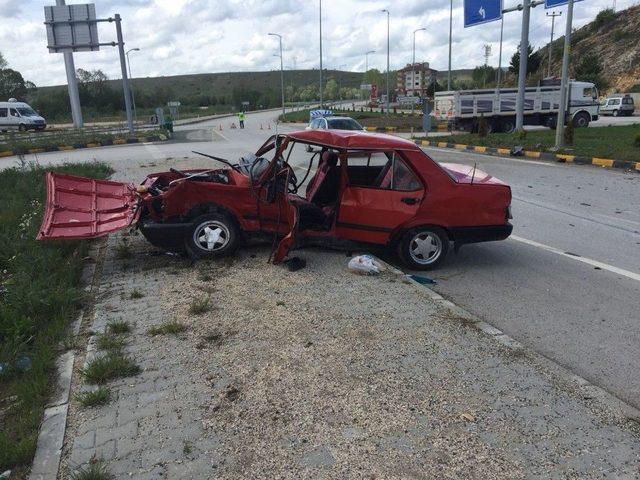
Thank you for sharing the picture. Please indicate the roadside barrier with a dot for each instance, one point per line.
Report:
(557, 157)
(77, 146)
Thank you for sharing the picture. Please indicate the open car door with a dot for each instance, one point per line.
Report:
(79, 207)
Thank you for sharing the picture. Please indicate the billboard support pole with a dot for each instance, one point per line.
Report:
(72, 84)
(125, 78)
(562, 111)
(524, 56)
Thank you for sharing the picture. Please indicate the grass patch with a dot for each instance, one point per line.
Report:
(110, 342)
(135, 294)
(97, 398)
(200, 306)
(123, 251)
(187, 447)
(96, 470)
(605, 142)
(113, 365)
(118, 327)
(173, 327)
(39, 297)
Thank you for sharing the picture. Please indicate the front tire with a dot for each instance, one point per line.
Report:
(581, 120)
(22, 127)
(212, 235)
(423, 248)
(615, 113)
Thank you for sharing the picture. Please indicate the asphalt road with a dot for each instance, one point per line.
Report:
(566, 284)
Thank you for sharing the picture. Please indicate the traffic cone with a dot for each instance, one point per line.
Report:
(233, 125)
(220, 127)
(269, 125)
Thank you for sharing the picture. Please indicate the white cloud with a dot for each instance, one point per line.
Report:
(196, 36)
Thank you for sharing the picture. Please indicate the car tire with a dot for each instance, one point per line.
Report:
(423, 248)
(581, 120)
(224, 225)
(22, 127)
(615, 113)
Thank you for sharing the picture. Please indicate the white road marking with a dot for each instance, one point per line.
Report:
(217, 132)
(588, 261)
(463, 152)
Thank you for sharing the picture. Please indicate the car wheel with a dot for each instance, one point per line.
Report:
(22, 127)
(615, 113)
(581, 120)
(423, 248)
(212, 235)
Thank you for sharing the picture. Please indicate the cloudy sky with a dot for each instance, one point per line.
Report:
(198, 36)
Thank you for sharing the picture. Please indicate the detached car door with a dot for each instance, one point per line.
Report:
(382, 194)
(79, 207)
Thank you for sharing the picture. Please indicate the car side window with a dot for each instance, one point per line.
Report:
(314, 123)
(324, 124)
(14, 112)
(4, 112)
(615, 101)
(403, 177)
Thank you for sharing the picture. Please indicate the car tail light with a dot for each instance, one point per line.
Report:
(509, 216)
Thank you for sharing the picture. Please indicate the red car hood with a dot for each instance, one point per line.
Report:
(465, 174)
(80, 207)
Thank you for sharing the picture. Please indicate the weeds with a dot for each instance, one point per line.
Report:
(200, 306)
(123, 251)
(173, 327)
(135, 294)
(96, 470)
(110, 342)
(118, 327)
(113, 365)
(187, 448)
(97, 398)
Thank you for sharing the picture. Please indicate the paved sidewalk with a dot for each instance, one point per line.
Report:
(324, 374)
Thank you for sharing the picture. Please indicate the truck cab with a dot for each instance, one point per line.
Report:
(20, 116)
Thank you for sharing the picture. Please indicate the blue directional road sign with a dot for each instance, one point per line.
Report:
(556, 3)
(482, 11)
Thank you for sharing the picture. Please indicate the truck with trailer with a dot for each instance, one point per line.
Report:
(463, 109)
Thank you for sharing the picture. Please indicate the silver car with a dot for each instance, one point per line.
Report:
(618, 105)
(334, 123)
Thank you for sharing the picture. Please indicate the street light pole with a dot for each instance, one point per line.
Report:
(133, 97)
(553, 16)
(281, 70)
(388, 15)
(524, 56)
(413, 67)
(320, 53)
(366, 60)
(450, 40)
(564, 82)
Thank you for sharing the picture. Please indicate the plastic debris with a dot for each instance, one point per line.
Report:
(364, 265)
(5, 475)
(423, 280)
(517, 151)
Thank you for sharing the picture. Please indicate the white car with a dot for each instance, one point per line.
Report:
(618, 105)
(16, 115)
(334, 123)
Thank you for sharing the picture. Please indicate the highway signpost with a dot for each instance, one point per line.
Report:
(73, 28)
(557, 3)
(477, 12)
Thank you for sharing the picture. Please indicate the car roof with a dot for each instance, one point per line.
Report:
(339, 118)
(352, 139)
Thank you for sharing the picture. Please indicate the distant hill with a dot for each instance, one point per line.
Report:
(614, 37)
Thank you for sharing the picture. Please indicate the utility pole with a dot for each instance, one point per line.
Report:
(500, 55)
(524, 56)
(133, 97)
(123, 68)
(564, 83)
(487, 54)
(72, 83)
(553, 16)
(281, 70)
(450, 39)
(413, 67)
(388, 99)
(321, 103)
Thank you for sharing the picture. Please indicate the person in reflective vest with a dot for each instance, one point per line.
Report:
(241, 117)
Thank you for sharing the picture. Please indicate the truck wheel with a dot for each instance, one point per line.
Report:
(423, 248)
(212, 235)
(507, 125)
(615, 113)
(581, 120)
(22, 127)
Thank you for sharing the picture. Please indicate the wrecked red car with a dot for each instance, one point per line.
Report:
(358, 188)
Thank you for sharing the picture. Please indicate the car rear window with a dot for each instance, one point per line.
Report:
(627, 101)
(344, 124)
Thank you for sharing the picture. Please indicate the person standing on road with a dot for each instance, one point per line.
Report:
(241, 117)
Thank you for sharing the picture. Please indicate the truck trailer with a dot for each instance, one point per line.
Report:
(463, 109)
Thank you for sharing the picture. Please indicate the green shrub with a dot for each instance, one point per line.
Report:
(97, 398)
(113, 365)
(636, 141)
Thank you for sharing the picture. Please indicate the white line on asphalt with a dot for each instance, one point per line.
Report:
(218, 133)
(588, 261)
(462, 152)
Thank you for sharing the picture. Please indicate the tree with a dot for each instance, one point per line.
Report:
(3, 62)
(533, 61)
(589, 69)
(12, 85)
(331, 89)
(483, 75)
(373, 77)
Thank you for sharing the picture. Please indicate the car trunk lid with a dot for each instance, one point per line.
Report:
(79, 207)
(466, 174)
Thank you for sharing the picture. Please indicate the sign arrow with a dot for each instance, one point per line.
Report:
(482, 13)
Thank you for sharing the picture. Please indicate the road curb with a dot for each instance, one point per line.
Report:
(580, 385)
(79, 146)
(556, 157)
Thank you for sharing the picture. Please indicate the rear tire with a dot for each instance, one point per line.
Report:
(212, 235)
(581, 120)
(423, 248)
(507, 125)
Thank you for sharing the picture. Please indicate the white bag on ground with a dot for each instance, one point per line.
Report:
(364, 265)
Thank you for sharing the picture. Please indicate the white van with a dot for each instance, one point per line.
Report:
(16, 115)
